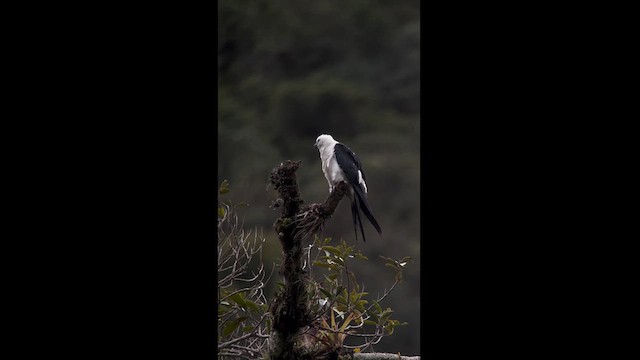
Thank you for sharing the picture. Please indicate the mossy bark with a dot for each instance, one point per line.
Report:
(290, 310)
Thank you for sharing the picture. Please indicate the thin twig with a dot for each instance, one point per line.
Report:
(245, 336)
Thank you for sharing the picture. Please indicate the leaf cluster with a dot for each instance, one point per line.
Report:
(341, 305)
(338, 306)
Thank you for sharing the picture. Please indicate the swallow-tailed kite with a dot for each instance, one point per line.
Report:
(339, 163)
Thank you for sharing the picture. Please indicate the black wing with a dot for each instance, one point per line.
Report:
(350, 165)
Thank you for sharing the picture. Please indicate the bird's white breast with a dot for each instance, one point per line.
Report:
(330, 167)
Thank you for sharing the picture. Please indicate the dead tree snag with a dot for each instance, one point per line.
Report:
(290, 309)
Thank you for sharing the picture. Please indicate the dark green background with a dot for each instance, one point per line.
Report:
(292, 70)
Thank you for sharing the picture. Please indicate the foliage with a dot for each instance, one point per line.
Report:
(339, 306)
(242, 307)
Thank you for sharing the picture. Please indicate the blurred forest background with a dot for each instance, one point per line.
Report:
(289, 71)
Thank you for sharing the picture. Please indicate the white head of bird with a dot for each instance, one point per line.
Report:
(323, 141)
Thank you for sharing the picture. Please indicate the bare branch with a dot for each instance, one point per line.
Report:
(384, 296)
(245, 336)
(382, 356)
(236, 250)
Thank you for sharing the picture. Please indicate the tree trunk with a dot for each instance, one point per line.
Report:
(289, 310)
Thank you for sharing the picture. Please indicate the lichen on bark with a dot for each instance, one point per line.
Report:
(289, 310)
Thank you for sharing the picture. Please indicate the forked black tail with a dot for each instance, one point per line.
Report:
(364, 206)
(356, 218)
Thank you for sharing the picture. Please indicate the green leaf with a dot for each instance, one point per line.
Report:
(393, 266)
(389, 329)
(251, 306)
(247, 329)
(332, 250)
(375, 318)
(369, 322)
(230, 327)
(385, 314)
(238, 298)
(322, 264)
(329, 280)
(327, 294)
(221, 212)
(224, 187)
(353, 296)
(377, 306)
